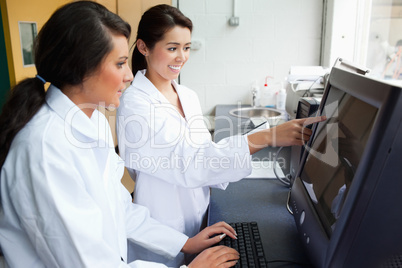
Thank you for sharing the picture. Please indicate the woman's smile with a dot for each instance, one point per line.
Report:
(175, 68)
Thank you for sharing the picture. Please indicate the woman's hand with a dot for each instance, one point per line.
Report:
(208, 237)
(290, 133)
(294, 132)
(219, 256)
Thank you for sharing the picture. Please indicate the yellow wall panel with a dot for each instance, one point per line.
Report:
(131, 11)
(150, 3)
(37, 11)
(109, 4)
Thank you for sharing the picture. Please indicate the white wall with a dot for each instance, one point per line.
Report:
(272, 36)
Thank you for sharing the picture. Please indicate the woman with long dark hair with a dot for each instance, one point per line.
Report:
(162, 136)
(62, 202)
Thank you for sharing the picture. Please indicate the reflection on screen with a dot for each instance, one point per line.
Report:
(335, 153)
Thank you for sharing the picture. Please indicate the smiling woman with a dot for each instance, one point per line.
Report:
(160, 120)
(165, 61)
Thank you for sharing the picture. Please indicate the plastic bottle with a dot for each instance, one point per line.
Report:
(268, 94)
(281, 99)
(255, 91)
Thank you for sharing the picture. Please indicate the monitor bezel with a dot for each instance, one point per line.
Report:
(361, 88)
(384, 97)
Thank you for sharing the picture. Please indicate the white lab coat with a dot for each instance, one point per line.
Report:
(62, 202)
(173, 158)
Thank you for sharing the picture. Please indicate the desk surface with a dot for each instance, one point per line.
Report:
(263, 201)
(260, 200)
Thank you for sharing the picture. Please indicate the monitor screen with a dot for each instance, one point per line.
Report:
(335, 153)
(349, 179)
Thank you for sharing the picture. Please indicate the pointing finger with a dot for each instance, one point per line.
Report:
(312, 120)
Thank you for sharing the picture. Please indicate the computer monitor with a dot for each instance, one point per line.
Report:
(347, 195)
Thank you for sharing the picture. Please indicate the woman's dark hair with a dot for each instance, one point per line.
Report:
(154, 23)
(69, 47)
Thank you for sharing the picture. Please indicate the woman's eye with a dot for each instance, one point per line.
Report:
(187, 48)
(120, 64)
(172, 49)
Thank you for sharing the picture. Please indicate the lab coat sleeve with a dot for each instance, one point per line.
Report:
(149, 233)
(48, 194)
(154, 142)
(193, 106)
(54, 209)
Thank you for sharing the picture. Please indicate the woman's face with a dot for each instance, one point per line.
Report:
(105, 86)
(169, 55)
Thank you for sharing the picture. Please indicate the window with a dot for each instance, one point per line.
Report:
(366, 32)
(384, 50)
(28, 32)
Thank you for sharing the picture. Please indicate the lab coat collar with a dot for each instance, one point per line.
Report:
(142, 83)
(74, 118)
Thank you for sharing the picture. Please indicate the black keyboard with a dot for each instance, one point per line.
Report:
(248, 244)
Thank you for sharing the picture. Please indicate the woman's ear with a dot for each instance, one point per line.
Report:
(142, 47)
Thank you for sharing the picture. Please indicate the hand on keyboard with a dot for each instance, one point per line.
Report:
(248, 244)
(218, 256)
(208, 237)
